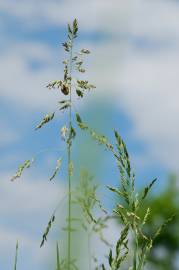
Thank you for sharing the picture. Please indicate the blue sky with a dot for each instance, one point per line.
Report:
(134, 64)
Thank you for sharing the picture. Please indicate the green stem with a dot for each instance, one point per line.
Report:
(135, 258)
(142, 260)
(89, 250)
(58, 257)
(69, 161)
(16, 254)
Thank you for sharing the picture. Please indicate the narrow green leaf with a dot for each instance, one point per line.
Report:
(110, 258)
(69, 29)
(118, 138)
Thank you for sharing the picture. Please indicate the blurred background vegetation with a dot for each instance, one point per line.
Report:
(163, 204)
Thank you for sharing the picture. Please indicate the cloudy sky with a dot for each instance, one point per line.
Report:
(134, 64)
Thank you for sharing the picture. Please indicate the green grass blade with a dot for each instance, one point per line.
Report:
(16, 255)
(58, 257)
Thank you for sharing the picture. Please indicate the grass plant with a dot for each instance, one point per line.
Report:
(132, 246)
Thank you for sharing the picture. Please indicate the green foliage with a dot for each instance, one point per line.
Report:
(163, 206)
(62, 264)
(85, 196)
(128, 212)
(121, 250)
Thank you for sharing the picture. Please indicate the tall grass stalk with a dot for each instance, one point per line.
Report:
(69, 154)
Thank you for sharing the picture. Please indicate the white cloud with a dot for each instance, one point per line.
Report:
(8, 134)
(26, 206)
(145, 85)
(40, 195)
(96, 247)
(156, 19)
(27, 243)
(92, 14)
(151, 18)
(150, 95)
(20, 83)
(144, 81)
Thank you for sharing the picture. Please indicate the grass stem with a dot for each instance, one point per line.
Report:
(69, 159)
(16, 255)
